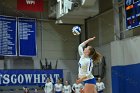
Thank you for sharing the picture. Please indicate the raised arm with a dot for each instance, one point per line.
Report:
(80, 48)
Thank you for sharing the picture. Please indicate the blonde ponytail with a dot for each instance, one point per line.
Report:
(96, 57)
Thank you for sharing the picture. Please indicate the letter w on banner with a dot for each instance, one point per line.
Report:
(30, 5)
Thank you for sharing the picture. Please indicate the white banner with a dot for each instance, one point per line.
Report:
(125, 52)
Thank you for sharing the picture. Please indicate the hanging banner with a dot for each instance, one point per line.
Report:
(30, 5)
(28, 77)
(27, 37)
(8, 36)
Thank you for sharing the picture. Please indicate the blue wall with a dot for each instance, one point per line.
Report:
(126, 79)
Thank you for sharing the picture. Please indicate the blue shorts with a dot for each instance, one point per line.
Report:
(58, 91)
(100, 91)
(90, 81)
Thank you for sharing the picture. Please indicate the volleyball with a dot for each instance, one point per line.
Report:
(76, 30)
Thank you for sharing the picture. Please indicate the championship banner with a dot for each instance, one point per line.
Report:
(30, 5)
(8, 36)
(28, 77)
(27, 37)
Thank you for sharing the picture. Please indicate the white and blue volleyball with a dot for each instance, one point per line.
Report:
(76, 30)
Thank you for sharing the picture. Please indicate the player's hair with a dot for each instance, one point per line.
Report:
(96, 56)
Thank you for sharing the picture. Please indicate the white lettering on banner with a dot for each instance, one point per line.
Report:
(13, 79)
(28, 78)
(30, 1)
(36, 78)
(44, 76)
(56, 76)
(0, 78)
(6, 79)
(20, 79)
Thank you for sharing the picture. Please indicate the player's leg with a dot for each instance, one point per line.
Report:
(90, 88)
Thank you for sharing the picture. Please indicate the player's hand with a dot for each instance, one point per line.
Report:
(92, 38)
(81, 90)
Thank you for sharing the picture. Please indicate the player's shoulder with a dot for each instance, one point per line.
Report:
(97, 83)
(51, 83)
(45, 83)
(74, 84)
(102, 82)
(80, 84)
(90, 59)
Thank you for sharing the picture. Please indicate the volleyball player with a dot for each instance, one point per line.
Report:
(76, 87)
(100, 85)
(48, 86)
(88, 55)
(58, 87)
(67, 88)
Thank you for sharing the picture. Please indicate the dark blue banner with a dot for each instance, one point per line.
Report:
(8, 35)
(27, 37)
(126, 79)
(28, 77)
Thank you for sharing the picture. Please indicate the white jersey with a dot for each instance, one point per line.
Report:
(85, 64)
(76, 87)
(67, 89)
(58, 87)
(48, 87)
(100, 86)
